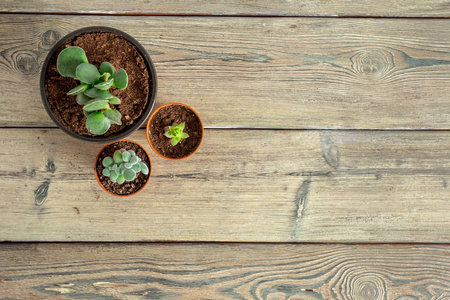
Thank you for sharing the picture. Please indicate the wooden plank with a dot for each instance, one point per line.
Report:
(256, 185)
(210, 271)
(384, 8)
(260, 72)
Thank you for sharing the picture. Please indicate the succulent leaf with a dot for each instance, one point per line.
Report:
(129, 174)
(106, 67)
(126, 156)
(184, 135)
(87, 113)
(121, 169)
(96, 93)
(120, 79)
(113, 115)
(77, 90)
(136, 167)
(83, 99)
(114, 175)
(118, 157)
(108, 162)
(113, 180)
(87, 73)
(144, 168)
(96, 104)
(68, 61)
(133, 160)
(105, 85)
(114, 100)
(175, 140)
(168, 134)
(97, 123)
(106, 172)
(121, 179)
(132, 153)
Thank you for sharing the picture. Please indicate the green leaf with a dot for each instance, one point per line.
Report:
(118, 157)
(83, 99)
(96, 93)
(113, 180)
(87, 73)
(136, 167)
(126, 156)
(120, 179)
(175, 140)
(129, 174)
(120, 79)
(105, 85)
(114, 175)
(114, 100)
(169, 134)
(128, 165)
(181, 126)
(87, 113)
(184, 135)
(106, 172)
(121, 169)
(108, 162)
(96, 104)
(68, 61)
(133, 160)
(113, 115)
(132, 153)
(104, 77)
(77, 90)
(107, 67)
(144, 168)
(97, 123)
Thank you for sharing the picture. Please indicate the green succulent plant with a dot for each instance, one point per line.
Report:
(92, 92)
(175, 133)
(123, 166)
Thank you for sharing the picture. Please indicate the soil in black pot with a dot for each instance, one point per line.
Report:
(164, 118)
(100, 47)
(128, 187)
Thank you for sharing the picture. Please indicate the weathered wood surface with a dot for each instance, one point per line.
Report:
(211, 271)
(242, 185)
(260, 72)
(384, 8)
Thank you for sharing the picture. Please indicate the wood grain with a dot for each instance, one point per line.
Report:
(242, 185)
(383, 8)
(260, 72)
(211, 271)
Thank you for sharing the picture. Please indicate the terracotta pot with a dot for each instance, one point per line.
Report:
(155, 113)
(152, 86)
(97, 162)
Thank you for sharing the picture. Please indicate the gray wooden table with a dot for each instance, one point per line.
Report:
(324, 172)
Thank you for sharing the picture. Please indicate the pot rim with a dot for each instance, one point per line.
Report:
(148, 127)
(150, 101)
(98, 179)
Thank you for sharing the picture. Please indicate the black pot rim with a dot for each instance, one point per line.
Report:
(151, 99)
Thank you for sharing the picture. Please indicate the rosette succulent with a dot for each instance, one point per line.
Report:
(123, 166)
(175, 133)
(92, 92)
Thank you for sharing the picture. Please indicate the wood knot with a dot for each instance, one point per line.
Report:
(365, 287)
(49, 38)
(372, 63)
(27, 63)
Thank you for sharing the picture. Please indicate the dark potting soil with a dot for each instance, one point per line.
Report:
(100, 47)
(127, 187)
(164, 118)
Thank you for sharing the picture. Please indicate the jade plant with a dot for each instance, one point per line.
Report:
(123, 166)
(92, 92)
(175, 133)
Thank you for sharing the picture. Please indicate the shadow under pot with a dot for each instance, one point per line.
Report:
(175, 131)
(122, 168)
(98, 84)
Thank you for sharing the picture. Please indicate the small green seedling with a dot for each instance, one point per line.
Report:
(175, 133)
(123, 166)
(92, 92)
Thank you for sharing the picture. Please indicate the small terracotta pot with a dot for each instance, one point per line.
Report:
(149, 168)
(156, 112)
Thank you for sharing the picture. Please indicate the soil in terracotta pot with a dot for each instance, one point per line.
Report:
(100, 47)
(164, 118)
(127, 187)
